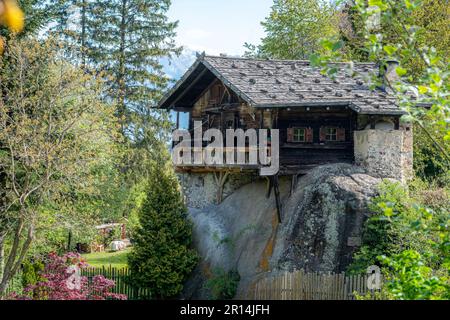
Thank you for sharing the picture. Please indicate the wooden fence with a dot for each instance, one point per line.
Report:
(14, 285)
(299, 285)
(121, 278)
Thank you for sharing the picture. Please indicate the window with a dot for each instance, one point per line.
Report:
(331, 134)
(299, 135)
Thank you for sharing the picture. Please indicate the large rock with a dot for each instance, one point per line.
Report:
(321, 227)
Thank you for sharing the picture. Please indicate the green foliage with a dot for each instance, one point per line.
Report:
(55, 132)
(429, 163)
(161, 258)
(392, 30)
(409, 235)
(380, 237)
(294, 29)
(112, 235)
(126, 40)
(223, 284)
(409, 241)
(31, 273)
(411, 279)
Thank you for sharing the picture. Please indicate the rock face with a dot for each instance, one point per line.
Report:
(321, 227)
(324, 221)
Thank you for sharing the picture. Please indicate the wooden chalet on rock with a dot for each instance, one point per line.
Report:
(317, 116)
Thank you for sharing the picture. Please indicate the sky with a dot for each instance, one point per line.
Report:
(219, 26)
(215, 27)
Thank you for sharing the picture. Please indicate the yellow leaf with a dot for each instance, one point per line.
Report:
(423, 89)
(12, 16)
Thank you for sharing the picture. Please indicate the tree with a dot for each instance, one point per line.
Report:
(76, 24)
(53, 130)
(130, 38)
(294, 28)
(417, 267)
(161, 258)
(431, 18)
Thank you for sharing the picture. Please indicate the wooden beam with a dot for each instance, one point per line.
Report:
(197, 79)
(276, 189)
(269, 187)
(220, 178)
(261, 119)
(293, 183)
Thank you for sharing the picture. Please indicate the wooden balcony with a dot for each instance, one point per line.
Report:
(198, 166)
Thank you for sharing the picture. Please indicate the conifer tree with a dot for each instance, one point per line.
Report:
(161, 258)
(131, 36)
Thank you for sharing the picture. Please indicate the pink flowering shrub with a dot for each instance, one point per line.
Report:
(61, 282)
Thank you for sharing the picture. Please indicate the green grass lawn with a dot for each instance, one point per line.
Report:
(100, 259)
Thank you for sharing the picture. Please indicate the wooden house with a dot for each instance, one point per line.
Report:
(320, 120)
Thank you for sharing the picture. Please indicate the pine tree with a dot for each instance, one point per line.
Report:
(161, 258)
(76, 25)
(130, 39)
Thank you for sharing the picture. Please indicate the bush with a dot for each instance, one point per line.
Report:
(57, 282)
(410, 241)
(161, 258)
(31, 273)
(223, 285)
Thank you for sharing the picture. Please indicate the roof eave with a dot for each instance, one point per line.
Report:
(186, 75)
(349, 104)
(201, 60)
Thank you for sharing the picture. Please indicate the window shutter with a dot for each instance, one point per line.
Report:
(322, 134)
(340, 134)
(290, 134)
(309, 135)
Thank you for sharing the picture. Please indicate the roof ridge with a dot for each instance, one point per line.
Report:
(279, 60)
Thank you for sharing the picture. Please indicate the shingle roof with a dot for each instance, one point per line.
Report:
(290, 83)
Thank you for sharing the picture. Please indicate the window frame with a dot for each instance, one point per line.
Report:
(328, 134)
(301, 129)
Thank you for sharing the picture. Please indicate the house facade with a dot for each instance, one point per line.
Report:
(320, 120)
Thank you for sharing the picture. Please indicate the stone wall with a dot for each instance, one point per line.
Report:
(385, 153)
(200, 189)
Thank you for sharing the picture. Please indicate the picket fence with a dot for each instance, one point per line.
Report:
(119, 275)
(299, 285)
(14, 285)
(121, 278)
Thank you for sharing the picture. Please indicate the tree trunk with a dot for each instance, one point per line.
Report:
(2, 254)
(16, 255)
(83, 34)
(122, 66)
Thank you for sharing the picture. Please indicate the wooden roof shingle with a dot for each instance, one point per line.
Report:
(290, 83)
